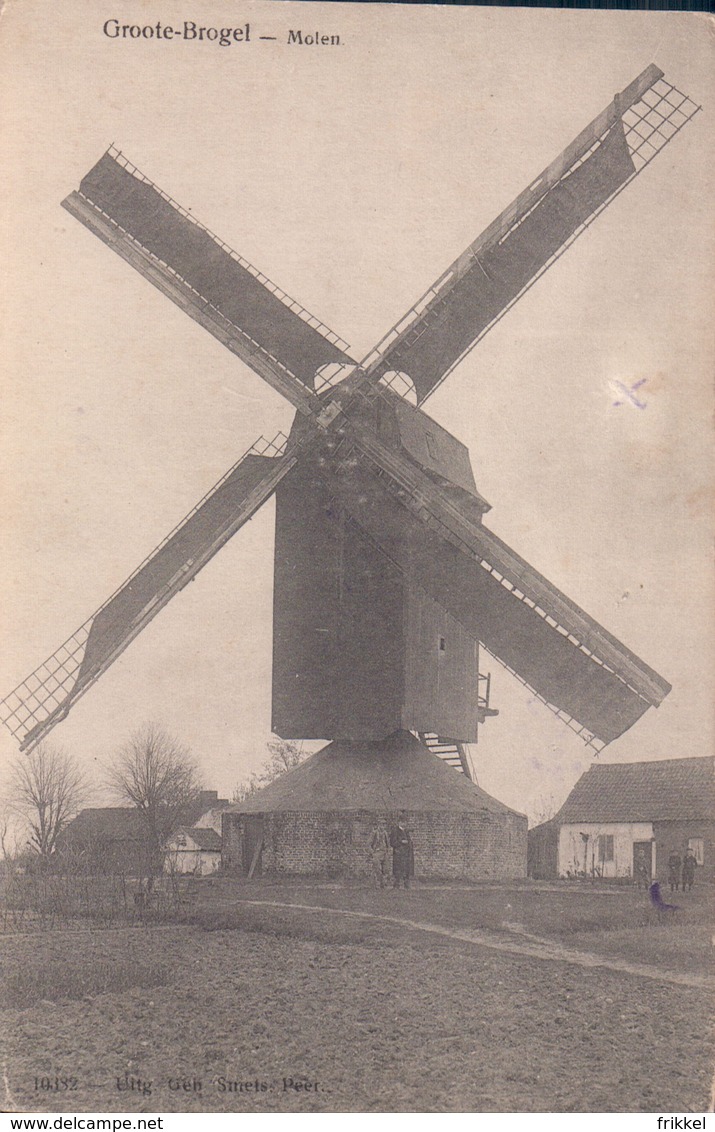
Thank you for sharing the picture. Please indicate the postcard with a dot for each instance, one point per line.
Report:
(357, 655)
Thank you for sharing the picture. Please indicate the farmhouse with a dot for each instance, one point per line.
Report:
(110, 839)
(318, 818)
(616, 810)
(115, 839)
(193, 849)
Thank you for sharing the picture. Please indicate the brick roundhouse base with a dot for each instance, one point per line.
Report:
(318, 818)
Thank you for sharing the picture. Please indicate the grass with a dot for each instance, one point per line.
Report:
(289, 923)
(616, 921)
(386, 1017)
(383, 1018)
(592, 917)
(66, 979)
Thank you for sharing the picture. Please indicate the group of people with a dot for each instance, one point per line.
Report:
(681, 870)
(396, 843)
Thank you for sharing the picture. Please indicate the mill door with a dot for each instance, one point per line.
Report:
(252, 846)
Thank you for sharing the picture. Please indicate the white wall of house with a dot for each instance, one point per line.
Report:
(573, 849)
(211, 819)
(189, 858)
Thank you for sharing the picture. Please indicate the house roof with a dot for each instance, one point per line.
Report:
(209, 799)
(108, 823)
(397, 773)
(211, 818)
(661, 790)
(204, 838)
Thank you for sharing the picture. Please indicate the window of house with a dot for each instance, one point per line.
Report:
(605, 847)
(696, 844)
(442, 644)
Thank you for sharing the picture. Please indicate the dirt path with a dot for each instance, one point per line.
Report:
(534, 947)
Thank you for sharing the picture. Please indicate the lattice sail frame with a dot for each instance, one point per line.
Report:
(649, 124)
(285, 298)
(46, 695)
(198, 306)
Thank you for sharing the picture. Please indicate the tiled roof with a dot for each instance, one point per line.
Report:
(110, 823)
(204, 838)
(660, 790)
(211, 819)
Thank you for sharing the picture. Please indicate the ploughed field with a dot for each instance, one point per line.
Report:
(260, 1007)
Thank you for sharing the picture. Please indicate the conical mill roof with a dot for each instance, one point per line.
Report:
(397, 773)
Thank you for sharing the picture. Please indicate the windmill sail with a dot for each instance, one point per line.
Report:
(390, 481)
(45, 697)
(579, 669)
(526, 239)
(217, 287)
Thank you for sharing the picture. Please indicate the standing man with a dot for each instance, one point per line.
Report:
(379, 854)
(642, 871)
(403, 857)
(674, 866)
(689, 864)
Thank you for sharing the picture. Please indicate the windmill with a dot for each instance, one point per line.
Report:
(387, 581)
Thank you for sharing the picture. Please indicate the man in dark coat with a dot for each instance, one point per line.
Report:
(674, 865)
(642, 871)
(689, 864)
(403, 859)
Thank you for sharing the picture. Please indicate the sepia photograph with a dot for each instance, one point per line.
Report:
(357, 660)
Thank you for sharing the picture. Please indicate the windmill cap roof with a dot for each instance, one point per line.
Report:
(659, 790)
(397, 773)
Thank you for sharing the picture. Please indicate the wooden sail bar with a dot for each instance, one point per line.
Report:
(200, 309)
(526, 584)
(650, 112)
(293, 304)
(44, 698)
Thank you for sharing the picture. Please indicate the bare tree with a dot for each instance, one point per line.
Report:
(544, 809)
(13, 833)
(283, 755)
(157, 775)
(47, 789)
(246, 788)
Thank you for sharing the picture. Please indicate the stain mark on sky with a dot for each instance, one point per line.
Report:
(629, 393)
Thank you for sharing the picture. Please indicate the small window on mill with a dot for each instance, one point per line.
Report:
(442, 644)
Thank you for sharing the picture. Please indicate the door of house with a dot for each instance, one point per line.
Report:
(252, 845)
(647, 847)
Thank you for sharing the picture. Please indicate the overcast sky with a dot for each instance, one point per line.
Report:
(352, 176)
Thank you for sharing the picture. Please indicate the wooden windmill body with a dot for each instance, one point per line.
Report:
(360, 648)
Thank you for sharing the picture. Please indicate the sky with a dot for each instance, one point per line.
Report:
(352, 176)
